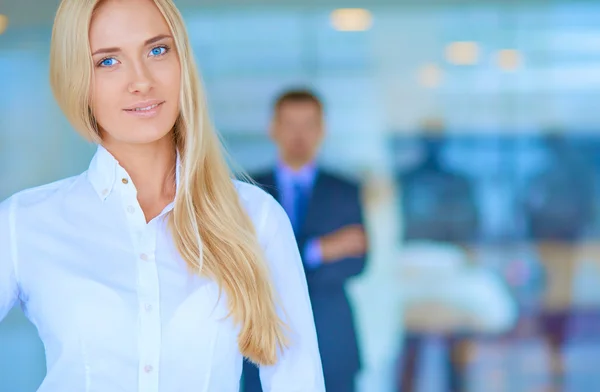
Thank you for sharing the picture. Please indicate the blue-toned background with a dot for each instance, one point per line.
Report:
(492, 77)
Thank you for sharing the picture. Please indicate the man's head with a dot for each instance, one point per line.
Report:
(298, 127)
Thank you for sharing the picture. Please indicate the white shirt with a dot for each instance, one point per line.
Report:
(114, 304)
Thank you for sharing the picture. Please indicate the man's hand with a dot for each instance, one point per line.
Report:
(349, 241)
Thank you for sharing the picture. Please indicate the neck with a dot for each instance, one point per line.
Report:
(296, 163)
(152, 171)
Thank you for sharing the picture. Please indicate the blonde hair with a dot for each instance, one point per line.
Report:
(210, 228)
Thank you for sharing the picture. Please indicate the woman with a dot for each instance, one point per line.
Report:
(153, 270)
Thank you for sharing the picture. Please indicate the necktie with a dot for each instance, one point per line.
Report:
(300, 205)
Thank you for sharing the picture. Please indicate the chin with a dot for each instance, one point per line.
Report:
(150, 136)
(301, 155)
(149, 130)
(142, 135)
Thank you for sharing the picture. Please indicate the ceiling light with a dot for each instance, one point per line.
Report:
(462, 53)
(351, 19)
(3, 23)
(508, 59)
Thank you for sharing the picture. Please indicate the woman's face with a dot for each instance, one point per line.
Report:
(137, 75)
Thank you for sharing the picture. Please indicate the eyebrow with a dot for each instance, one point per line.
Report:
(148, 42)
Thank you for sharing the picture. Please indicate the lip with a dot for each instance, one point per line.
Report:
(145, 104)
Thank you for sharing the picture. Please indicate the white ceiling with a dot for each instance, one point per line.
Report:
(40, 12)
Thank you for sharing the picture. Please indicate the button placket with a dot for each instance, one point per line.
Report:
(144, 240)
(148, 297)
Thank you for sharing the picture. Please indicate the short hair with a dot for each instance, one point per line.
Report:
(297, 96)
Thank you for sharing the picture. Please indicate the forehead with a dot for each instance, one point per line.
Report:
(123, 23)
(299, 108)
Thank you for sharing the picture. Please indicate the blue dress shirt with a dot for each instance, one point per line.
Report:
(289, 183)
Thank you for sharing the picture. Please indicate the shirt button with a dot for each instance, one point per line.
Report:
(144, 257)
(130, 209)
(148, 307)
(125, 181)
(148, 368)
(105, 192)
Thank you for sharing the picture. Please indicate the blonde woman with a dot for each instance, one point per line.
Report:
(153, 270)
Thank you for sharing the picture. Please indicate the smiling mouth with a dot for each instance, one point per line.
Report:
(145, 109)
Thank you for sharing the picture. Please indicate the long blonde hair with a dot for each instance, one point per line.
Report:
(210, 228)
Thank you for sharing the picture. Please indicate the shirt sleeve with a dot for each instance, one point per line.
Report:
(9, 291)
(299, 367)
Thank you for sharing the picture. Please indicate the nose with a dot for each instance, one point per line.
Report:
(141, 79)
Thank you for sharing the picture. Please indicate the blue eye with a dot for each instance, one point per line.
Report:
(107, 62)
(158, 51)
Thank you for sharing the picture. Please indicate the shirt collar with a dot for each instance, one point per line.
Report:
(306, 174)
(104, 171)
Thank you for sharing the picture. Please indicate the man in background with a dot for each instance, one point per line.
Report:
(326, 214)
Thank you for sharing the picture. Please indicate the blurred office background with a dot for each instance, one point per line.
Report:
(474, 126)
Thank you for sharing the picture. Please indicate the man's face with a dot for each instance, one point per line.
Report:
(297, 130)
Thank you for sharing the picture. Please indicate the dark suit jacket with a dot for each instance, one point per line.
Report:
(335, 203)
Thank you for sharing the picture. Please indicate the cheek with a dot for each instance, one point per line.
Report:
(289, 138)
(176, 80)
(103, 97)
(169, 76)
(316, 137)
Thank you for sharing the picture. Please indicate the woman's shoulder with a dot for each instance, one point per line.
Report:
(39, 195)
(265, 212)
(251, 193)
(255, 200)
